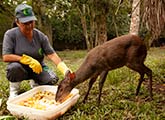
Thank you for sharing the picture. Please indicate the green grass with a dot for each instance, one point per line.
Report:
(118, 101)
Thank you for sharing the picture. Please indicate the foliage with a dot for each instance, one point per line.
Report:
(69, 29)
(118, 21)
(6, 17)
(62, 16)
(118, 98)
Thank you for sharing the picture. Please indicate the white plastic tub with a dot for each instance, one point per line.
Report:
(35, 114)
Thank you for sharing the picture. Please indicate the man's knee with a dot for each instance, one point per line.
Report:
(15, 72)
(53, 78)
(14, 66)
(47, 78)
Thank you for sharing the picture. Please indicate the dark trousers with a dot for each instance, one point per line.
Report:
(17, 72)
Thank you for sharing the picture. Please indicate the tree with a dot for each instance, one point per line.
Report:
(102, 10)
(6, 18)
(93, 14)
(135, 18)
(43, 22)
(154, 18)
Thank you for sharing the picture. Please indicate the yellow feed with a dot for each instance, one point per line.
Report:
(67, 97)
(41, 100)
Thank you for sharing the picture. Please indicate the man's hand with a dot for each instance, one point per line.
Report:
(33, 63)
(63, 68)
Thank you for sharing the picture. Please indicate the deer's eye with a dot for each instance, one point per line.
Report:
(61, 89)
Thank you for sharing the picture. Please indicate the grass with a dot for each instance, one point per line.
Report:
(118, 101)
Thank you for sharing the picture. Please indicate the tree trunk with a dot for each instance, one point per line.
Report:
(92, 28)
(154, 18)
(101, 30)
(135, 19)
(42, 20)
(84, 25)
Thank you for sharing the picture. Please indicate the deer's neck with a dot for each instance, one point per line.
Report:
(82, 74)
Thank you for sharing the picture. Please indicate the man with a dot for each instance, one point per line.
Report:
(24, 48)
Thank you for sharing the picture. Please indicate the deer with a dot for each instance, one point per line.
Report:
(126, 50)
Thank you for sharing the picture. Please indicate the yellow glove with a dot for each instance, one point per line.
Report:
(33, 63)
(63, 68)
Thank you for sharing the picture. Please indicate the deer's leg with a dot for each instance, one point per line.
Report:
(103, 76)
(142, 69)
(92, 80)
(149, 74)
(139, 84)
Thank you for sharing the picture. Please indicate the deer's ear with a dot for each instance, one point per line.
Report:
(72, 76)
(67, 73)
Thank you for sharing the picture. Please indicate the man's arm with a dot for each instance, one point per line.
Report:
(55, 58)
(11, 58)
(60, 64)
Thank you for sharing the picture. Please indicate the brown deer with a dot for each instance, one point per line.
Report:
(127, 50)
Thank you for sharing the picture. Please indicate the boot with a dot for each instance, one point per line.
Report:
(14, 88)
(33, 84)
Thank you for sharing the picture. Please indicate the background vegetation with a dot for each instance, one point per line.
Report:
(118, 99)
(83, 24)
(61, 20)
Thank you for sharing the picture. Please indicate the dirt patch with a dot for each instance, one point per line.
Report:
(157, 87)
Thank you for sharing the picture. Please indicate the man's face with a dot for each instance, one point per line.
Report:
(26, 27)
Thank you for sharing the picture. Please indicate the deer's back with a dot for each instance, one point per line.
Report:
(117, 52)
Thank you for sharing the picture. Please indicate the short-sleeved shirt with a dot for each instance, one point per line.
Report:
(15, 42)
